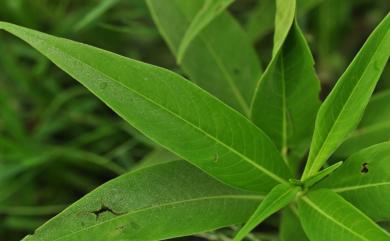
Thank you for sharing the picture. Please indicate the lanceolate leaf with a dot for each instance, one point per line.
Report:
(155, 203)
(364, 180)
(220, 58)
(286, 99)
(279, 197)
(373, 128)
(343, 108)
(170, 110)
(321, 174)
(290, 226)
(210, 10)
(326, 216)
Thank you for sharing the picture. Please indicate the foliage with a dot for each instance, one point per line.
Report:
(220, 143)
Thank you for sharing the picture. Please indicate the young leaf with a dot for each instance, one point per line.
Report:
(321, 174)
(325, 216)
(170, 110)
(279, 107)
(284, 18)
(290, 226)
(343, 108)
(220, 58)
(154, 203)
(373, 128)
(276, 199)
(364, 180)
(210, 10)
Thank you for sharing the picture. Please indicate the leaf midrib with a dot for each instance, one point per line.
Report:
(319, 210)
(253, 163)
(238, 197)
(351, 188)
(321, 150)
(284, 110)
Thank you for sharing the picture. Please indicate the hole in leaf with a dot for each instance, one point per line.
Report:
(103, 208)
(364, 168)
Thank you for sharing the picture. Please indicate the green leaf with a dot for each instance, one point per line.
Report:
(343, 108)
(289, 120)
(279, 197)
(210, 10)
(260, 20)
(284, 18)
(322, 174)
(169, 110)
(364, 180)
(290, 226)
(220, 61)
(325, 216)
(155, 203)
(373, 128)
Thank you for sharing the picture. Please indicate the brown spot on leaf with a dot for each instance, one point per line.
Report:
(364, 168)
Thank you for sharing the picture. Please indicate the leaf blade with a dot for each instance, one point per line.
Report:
(331, 223)
(279, 197)
(284, 18)
(130, 206)
(365, 182)
(372, 129)
(212, 140)
(222, 62)
(289, 120)
(343, 108)
(322, 174)
(210, 10)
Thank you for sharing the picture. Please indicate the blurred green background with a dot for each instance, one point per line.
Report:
(58, 142)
